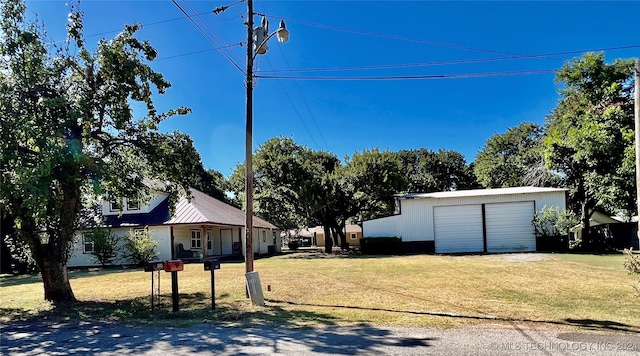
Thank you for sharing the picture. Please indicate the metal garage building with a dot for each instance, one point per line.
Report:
(482, 220)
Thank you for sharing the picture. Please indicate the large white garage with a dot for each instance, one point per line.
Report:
(467, 221)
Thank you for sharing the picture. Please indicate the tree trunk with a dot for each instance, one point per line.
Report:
(585, 215)
(328, 241)
(51, 256)
(342, 232)
(585, 224)
(57, 288)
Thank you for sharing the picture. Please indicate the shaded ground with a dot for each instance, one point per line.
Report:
(47, 337)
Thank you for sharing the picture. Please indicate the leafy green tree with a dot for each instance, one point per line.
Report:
(106, 245)
(213, 183)
(514, 158)
(296, 186)
(68, 132)
(427, 171)
(589, 138)
(140, 247)
(552, 221)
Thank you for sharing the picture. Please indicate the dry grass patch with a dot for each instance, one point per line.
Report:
(444, 291)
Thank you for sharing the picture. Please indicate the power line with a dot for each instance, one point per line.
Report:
(301, 95)
(207, 36)
(398, 37)
(294, 107)
(304, 99)
(145, 25)
(212, 30)
(415, 77)
(459, 61)
(197, 52)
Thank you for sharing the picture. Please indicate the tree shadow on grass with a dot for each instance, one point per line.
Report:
(99, 327)
(193, 308)
(20, 279)
(600, 325)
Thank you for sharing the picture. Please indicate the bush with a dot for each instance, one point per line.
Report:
(105, 246)
(632, 265)
(552, 221)
(293, 245)
(552, 227)
(140, 247)
(21, 257)
(381, 245)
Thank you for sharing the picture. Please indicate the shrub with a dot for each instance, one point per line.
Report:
(21, 256)
(293, 245)
(140, 247)
(552, 221)
(105, 245)
(381, 245)
(552, 227)
(632, 265)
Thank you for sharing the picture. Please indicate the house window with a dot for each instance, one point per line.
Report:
(353, 236)
(196, 239)
(114, 206)
(264, 236)
(87, 244)
(138, 233)
(208, 240)
(133, 204)
(274, 237)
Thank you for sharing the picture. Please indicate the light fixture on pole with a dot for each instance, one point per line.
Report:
(256, 44)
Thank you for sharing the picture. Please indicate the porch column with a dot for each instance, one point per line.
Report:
(205, 249)
(173, 248)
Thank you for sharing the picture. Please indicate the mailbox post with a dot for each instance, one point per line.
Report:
(174, 266)
(212, 265)
(154, 266)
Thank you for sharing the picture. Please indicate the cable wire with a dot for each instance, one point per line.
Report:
(398, 37)
(458, 61)
(211, 29)
(207, 36)
(294, 107)
(414, 77)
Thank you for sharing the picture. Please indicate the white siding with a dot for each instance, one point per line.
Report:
(458, 228)
(153, 203)
(416, 221)
(159, 233)
(509, 227)
(383, 227)
(162, 234)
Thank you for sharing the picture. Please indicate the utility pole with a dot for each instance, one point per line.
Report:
(248, 164)
(637, 127)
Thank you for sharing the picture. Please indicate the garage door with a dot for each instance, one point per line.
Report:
(509, 227)
(458, 228)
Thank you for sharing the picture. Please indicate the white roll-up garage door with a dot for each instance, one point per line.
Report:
(458, 228)
(509, 227)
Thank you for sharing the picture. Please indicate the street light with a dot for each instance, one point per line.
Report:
(256, 44)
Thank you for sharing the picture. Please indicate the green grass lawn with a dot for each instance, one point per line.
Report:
(536, 290)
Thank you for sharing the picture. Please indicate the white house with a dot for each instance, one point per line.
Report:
(482, 220)
(202, 227)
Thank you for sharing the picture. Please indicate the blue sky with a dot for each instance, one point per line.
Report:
(464, 41)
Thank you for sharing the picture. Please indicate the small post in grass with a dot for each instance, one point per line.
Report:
(154, 266)
(212, 265)
(174, 266)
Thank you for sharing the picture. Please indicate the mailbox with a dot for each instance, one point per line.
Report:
(153, 266)
(211, 265)
(173, 265)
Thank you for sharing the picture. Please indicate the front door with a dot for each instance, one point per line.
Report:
(227, 243)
